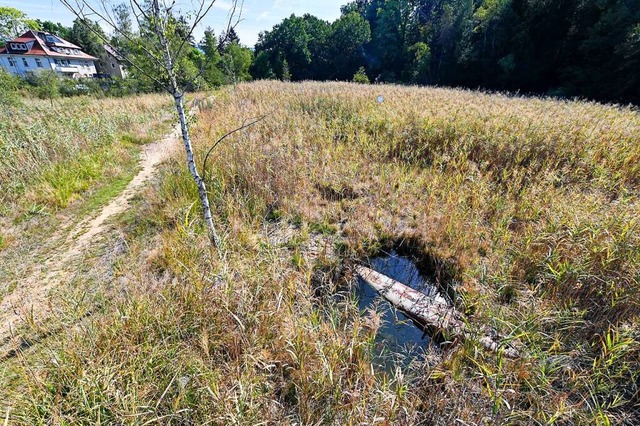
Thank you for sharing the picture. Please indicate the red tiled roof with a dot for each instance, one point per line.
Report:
(22, 38)
(40, 47)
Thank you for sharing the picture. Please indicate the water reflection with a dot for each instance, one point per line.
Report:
(398, 337)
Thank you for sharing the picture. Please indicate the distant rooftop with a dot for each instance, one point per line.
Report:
(40, 43)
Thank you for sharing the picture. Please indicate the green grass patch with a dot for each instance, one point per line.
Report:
(323, 228)
(110, 189)
(51, 154)
(133, 139)
(65, 182)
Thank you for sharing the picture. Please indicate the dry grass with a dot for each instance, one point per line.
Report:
(525, 210)
(51, 152)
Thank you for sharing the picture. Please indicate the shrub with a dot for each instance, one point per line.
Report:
(46, 84)
(10, 86)
(361, 76)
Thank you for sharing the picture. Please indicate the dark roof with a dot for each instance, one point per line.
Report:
(111, 51)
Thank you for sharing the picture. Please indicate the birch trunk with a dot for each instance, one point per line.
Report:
(202, 188)
(431, 312)
(178, 98)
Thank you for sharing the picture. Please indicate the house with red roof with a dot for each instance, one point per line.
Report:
(34, 51)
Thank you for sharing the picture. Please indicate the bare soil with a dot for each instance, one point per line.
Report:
(32, 296)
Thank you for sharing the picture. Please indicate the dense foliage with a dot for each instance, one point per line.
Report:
(585, 48)
(12, 22)
(588, 48)
(307, 48)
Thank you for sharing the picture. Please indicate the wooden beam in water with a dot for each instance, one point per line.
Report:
(431, 312)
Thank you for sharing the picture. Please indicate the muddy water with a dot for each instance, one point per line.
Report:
(398, 338)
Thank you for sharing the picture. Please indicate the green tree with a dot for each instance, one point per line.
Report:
(236, 62)
(288, 41)
(227, 38)
(14, 22)
(349, 34)
(212, 72)
(392, 37)
(284, 70)
(88, 35)
(46, 84)
(361, 76)
(319, 32)
(123, 34)
(420, 61)
(54, 28)
(261, 68)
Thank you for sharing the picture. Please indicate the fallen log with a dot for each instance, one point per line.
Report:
(432, 312)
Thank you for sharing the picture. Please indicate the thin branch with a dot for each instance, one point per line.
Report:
(244, 126)
(199, 16)
(141, 9)
(79, 13)
(146, 17)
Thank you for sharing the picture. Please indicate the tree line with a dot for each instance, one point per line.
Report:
(585, 48)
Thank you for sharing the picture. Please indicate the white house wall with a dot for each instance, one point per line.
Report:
(75, 66)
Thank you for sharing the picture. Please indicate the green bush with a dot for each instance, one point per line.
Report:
(46, 84)
(10, 88)
(361, 76)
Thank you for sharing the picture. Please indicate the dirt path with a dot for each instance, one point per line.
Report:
(31, 297)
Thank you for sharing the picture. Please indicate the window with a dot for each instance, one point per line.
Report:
(18, 46)
(12, 62)
(25, 63)
(39, 63)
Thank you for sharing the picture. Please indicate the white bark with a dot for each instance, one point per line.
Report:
(430, 311)
(202, 188)
(178, 97)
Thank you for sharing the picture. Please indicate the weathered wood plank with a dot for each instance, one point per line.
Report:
(432, 312)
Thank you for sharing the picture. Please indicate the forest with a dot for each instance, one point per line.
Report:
(589, 49)
(568, 48)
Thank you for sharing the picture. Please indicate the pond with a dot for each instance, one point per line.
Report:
(398, 338)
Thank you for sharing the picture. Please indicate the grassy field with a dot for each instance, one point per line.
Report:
(70, 156)
(51, 152)
(524, 210)
(60, 162)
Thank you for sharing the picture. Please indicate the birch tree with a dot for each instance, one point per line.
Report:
(164, 40)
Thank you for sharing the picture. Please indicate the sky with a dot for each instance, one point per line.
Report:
(257, 15)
